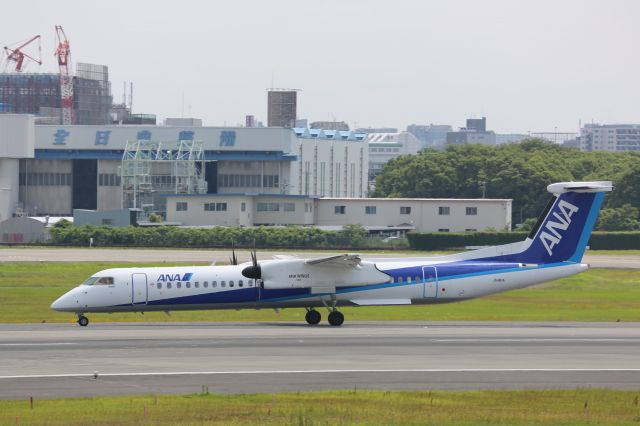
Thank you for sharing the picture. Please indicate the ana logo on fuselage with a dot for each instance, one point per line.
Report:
(551, 238)
(175, 277)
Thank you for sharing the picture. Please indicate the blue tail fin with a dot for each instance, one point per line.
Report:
(562, 232)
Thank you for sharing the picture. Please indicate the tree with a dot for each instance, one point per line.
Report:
(519, 171)
(623, 218)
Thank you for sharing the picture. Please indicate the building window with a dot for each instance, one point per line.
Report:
(470, 230)
(243, 207)
(268, 207)
(472, 211)
(444, 211)
(443, 230)
(405, 210)
(369, 209)
(209, 207)
(221, 207)
(289, 207)
(181, 206)
(340, 209)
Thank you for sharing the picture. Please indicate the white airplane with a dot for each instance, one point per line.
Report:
(553, 250)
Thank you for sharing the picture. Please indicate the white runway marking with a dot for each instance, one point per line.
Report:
(540, 339)
(38, 344)
(442, 370)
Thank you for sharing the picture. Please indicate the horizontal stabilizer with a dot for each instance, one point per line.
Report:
(596, 186)
(378, 302)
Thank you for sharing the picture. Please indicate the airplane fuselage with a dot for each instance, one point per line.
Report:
(224, 287)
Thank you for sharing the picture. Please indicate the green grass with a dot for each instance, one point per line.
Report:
(569, 407)
(27, 290)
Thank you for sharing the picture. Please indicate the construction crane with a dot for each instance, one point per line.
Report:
(63, 52)
(18, 56)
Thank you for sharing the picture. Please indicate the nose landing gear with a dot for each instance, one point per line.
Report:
(83, 321)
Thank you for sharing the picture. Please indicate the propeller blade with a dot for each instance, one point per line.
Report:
(233, 258)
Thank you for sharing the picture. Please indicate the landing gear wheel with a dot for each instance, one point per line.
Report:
(336, 318)
(83, 321)
(313, 317)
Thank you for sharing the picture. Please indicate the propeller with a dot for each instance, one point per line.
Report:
(233, 259)
(254, 271)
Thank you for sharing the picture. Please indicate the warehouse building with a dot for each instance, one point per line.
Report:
(394, 214)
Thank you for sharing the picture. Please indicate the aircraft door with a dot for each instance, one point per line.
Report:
(430, 281)
(139, 290)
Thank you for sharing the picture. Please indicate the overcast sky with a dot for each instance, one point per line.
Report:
(525, 65)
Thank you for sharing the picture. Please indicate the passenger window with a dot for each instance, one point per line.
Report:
(206, 284)
(399, 279)
(250, 283)
(188, 284)
(222, 284)
(230, 283)
(240, 283)
(197, 284)
(168, 285)
(178, 285)
(417, 279)
(408, 279)
(214, 283)
(159, 286)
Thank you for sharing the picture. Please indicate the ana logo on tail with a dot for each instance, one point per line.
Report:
(563, 215)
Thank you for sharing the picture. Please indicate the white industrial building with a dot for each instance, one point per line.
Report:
(54, 169)
(386, 146)
(610, 137)
(395, 214)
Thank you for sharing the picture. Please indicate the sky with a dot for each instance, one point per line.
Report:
(528, 66)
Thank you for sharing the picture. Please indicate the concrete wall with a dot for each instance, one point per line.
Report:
(109, 195)
(423, 216)
(116, 217)
(196, 215)
(40, 192)
(16, 142)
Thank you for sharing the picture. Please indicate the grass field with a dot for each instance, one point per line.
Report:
(27, 290)
(573, 407)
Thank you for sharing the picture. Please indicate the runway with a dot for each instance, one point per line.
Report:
(125, 255)
(58, 360)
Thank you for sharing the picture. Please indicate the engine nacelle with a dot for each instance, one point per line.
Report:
(296, 273)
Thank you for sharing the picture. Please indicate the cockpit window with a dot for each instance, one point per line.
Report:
(90, 280)
(98, 281)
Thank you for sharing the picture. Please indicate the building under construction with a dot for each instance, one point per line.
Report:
(39, 94)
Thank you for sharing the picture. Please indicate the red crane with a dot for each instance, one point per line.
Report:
(63, 52)
(18, 56)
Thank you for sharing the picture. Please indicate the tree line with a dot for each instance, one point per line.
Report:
(520, 171)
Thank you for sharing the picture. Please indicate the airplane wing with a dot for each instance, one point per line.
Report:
(284, 257)
(373, 302)
(341, 260)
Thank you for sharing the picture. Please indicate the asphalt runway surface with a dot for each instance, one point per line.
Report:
(62, 254)
(63, 360)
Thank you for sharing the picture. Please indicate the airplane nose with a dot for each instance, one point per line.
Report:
(63, 303)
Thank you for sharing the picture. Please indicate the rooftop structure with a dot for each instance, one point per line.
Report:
(282, 108)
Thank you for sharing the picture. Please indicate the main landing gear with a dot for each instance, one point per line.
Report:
(312, 317)
(83, 321)
(336, 318)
